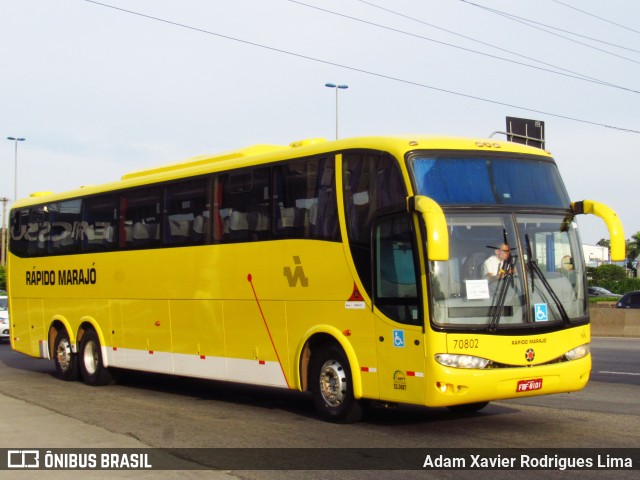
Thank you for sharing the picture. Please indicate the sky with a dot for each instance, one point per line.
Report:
(101, 89)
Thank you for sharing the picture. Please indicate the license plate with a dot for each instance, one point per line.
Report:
(529, 385)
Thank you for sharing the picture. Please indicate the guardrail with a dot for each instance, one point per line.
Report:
(614, 322)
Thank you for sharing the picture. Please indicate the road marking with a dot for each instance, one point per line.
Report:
(620, 373)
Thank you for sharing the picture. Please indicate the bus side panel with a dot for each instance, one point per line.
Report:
(401, 356)
(115, 353)
(256, 342)
(354, 320)
(36, 322)
(147, 335)
(197, 332)
(20, 327)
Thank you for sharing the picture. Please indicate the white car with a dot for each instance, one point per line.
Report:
(4, 318)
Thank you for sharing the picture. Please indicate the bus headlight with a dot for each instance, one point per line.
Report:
(578, 352)
(461, 361)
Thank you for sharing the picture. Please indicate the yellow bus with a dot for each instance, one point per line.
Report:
(354, 269)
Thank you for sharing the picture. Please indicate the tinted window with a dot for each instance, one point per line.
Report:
(372, 184)
(633, 300)
(236, 206)
(304, 203)
(99, 223)
(396, 278)
(140, 218)
(186, 212)
(66, 231)
(19, 227)
(38, 230)
(488, 180)
(242, 205)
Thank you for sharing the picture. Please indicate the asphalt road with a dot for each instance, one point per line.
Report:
(158, 411)
(616, 360)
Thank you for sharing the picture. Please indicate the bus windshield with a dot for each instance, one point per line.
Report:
(461, 178)
(509, 271)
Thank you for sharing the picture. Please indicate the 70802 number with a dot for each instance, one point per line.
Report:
(465, 344)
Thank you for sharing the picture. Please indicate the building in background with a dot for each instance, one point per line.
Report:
(595, 255)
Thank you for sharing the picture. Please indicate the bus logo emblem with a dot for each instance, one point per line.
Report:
(529, 355)
(297, 275)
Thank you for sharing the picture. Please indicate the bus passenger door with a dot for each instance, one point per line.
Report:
(399, 316)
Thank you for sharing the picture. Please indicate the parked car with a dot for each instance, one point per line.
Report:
(4, 318)
(602, 292)
(629, 300)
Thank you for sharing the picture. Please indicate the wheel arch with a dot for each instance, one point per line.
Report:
(75, 337)
(57, 323)
(317, 338)
(90, 323)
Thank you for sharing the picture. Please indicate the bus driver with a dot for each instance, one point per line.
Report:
(495, 267)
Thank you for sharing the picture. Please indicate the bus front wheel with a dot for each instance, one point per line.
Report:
(66, 361)
(91, 366)
(331, 386)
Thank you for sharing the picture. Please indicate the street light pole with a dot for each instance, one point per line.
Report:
(3, 252)
(337, 87)
(15, 157)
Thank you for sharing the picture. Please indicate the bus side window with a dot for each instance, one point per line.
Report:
(372, 184)
(244, 205)
(99, 223)
(65, 230)
(396, 292)
(324, 220)
(291, 202)
(186, 212)
(140, 218)
(19, 243)
(304, 203)
(38, 231)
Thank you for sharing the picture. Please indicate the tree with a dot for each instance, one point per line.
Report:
(633, 246)
(604, 274)
(633, 251)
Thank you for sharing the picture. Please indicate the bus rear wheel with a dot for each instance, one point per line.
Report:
(331, 386)
(66, 361)
(91, 366)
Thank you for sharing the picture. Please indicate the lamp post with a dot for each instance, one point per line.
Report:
(3, 248)
(337, 87)
(15, 156)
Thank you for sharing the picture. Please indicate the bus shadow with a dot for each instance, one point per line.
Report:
(292, 402)
(259, 397)
(268, 398)
(19, 361)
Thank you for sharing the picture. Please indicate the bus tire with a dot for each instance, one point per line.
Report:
(468, 407)
(331, 385)
(66, 361)
(92, 368)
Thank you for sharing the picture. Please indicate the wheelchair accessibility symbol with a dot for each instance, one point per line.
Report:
(541, 312)
(398, 338)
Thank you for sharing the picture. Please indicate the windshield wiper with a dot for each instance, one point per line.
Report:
(532, 265)
(508, 266)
